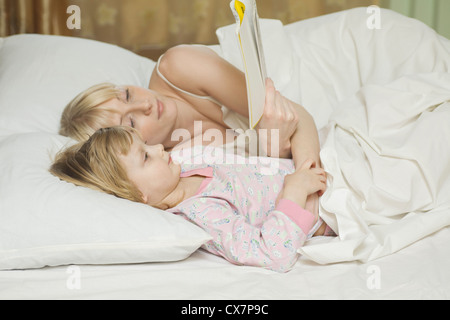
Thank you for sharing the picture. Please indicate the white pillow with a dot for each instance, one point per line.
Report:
(40, 74)
(44, 221)
(48, 222)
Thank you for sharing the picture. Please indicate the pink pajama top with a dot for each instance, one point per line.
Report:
(236, 206)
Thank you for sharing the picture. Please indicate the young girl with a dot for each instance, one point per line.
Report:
(255, 219)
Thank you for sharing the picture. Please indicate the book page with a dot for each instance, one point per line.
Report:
(249, 38)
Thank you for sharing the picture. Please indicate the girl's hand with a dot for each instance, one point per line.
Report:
(304, 182)
(279, 114)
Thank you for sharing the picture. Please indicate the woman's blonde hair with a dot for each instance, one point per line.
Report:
(83, 116)
(95, 163)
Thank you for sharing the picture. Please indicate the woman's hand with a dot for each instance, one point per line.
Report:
(305, 181)
(279, 114)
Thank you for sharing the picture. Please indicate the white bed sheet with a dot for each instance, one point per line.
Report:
(418, 271)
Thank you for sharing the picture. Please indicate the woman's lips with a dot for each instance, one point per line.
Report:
(160, 109)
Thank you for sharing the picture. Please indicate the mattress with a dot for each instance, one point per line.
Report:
(419, 271)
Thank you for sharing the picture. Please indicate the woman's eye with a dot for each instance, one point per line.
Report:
(131, 122)
(146, 156)
(128, 95)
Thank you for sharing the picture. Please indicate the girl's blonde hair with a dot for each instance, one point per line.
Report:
(95, 163)
(83, 116)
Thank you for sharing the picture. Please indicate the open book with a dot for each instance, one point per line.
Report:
(248, 33)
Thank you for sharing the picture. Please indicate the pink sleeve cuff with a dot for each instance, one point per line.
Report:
(301, 217)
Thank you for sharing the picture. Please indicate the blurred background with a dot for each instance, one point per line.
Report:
(150, 27)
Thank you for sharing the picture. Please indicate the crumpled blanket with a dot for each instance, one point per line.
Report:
(381, 100)
(387, 152)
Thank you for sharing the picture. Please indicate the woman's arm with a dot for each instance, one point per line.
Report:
(298, 138)
(201, 71)
(305, 141)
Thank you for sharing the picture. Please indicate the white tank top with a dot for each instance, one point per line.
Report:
(232, 119)
(246, 140)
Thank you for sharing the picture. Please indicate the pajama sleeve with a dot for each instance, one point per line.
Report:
(272, 245)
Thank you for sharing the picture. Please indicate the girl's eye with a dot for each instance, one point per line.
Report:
(128, 95)
(132, 123)
(146, 156)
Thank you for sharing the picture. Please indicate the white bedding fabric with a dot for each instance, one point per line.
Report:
(417, 272)
(387, 146)
(336, 65)
(388, 156)
(381, 98)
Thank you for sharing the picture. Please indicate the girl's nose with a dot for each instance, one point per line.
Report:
(158, 149)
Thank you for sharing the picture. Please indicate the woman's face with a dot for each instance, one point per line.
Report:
(151, 114)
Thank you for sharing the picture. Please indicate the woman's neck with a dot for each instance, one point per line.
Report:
(192, 125)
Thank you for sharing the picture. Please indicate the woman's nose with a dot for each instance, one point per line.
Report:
(143, 106)
(147, 107)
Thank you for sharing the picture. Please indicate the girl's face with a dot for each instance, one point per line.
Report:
(151, 114)
(152, 170)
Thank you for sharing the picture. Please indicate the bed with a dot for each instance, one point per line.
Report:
(58, 241)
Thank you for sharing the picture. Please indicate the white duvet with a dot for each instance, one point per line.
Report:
(388, 156)
(381, 98)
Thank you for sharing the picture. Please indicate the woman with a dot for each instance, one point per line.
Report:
(192, 84)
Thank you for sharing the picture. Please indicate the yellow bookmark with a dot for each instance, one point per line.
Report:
(240, 8)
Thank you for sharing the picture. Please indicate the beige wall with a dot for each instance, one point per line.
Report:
(149, 27)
